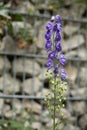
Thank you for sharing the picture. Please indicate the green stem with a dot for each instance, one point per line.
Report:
(54, 111)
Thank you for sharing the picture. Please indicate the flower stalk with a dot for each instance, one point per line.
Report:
(55, 69)
(54, 113)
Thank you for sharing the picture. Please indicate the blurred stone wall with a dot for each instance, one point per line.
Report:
(25, 75)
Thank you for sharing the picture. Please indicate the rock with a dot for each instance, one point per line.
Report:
(43, 92)
(82, 76)
(40, 39)
(76, 14)
(69, 30)
(72, 53)
(2, 45)
(9, 84)
(37, 117)
(74, 42)
(78, 108)
(32, 107)
(71, 72)
(17, 105)
(67, 3)
(26, 66)
(78, 10)
(1, 104)
(31, 86)
(80, 93)
(25, 7)
(24, 114)
(31, 49)
(26, 124)
(36, 125)
(42, 76)
(3, 66)
(50, 124)
(82, 52)
(9, 43)
(83, 121)
(45, 116)
(43, 60)
(8, 112)
(71, 127)
(72, 120)
(19, 25)
(66, 114)
(13, 46)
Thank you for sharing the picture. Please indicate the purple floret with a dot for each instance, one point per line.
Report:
(57, 27)
(63, 74)
(49, 64)
(62, 59)
(48, 45)
(52, 54)
(49, 25)
(56, 70)
(58, 19)
(58, 46)
(58, 37)
(48, 35)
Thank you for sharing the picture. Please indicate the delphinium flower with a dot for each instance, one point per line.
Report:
(56, 59)
(55, 67)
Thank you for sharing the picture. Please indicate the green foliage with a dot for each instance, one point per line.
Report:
(13, 125)
(10, 28)
(4, 10)
(25, 35)
(17, 17)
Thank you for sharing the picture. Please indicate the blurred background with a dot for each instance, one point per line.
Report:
(23, 84)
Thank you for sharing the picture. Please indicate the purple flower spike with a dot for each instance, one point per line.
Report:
(56, 60)
(56, 69)
(62, 59)
(48, 45)
(49, 26)
(52, 54)
(63, 74)
(49, 64)
(58, 19)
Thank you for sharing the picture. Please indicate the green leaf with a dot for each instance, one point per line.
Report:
(16, 124)
(10, 28)
(4, 13)
(17, 17)
(7, 5)
(1, 4)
